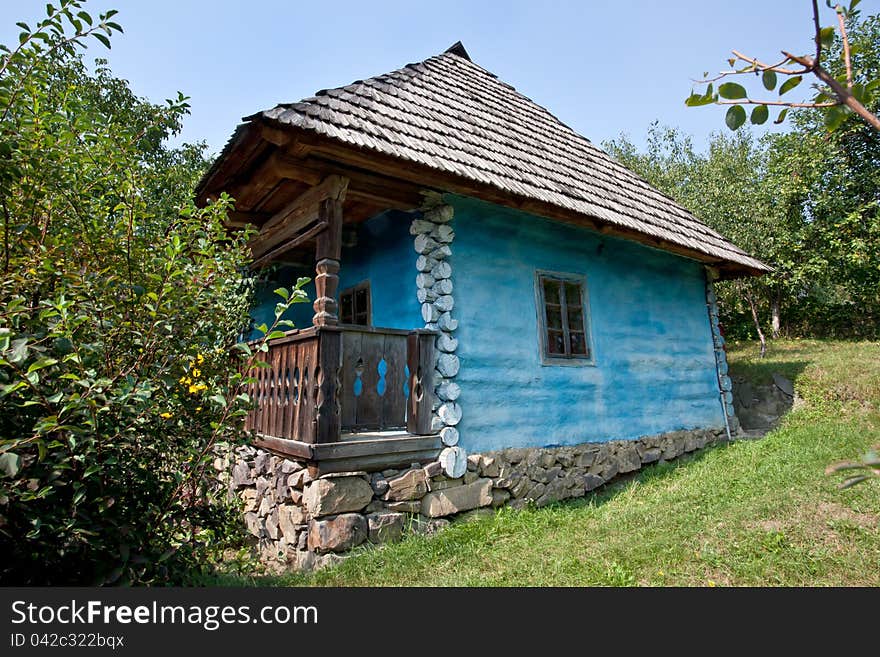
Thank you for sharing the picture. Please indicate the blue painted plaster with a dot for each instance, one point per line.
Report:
(654, 364)
(384, 255)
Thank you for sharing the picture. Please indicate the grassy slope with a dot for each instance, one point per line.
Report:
(752, 513)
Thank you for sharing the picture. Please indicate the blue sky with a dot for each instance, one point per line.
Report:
(601, 67)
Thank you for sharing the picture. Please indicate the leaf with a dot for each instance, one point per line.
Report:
(736, 116)
(103, 39)
(274, 335)
(834, 117)
(760, 115)
(12, 387)
(781, 117)
(826, 37)
(696, 100)
(283, 293)
(40, 363)
(769, 80)
(731, 91)
(10, 464)
(859, 91)
(790, 84)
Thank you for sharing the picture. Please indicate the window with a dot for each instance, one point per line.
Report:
(354, 305)
(563, 318)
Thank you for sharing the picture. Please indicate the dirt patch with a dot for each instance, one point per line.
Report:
(820, 524)
(832, 511)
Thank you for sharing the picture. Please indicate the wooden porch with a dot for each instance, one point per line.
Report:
(345, 398)
(339, 397)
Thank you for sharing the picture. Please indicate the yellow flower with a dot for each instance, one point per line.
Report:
(200, 359)
(196, 372)
(197, 387)
(711, 583)
(182, 379)
(166, 415)
(198, 409)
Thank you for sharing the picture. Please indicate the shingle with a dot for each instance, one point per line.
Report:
(456, 117)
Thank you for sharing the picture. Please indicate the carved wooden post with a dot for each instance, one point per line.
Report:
(327, 410)
(327, 254)
(420, 360)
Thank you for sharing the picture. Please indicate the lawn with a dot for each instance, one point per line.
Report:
(751, 513)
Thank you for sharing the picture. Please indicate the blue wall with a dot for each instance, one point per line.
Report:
(383, 254)
(654, 365)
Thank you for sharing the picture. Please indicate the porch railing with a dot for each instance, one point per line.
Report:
(324, 381)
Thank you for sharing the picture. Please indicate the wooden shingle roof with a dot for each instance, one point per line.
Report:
(450, 114)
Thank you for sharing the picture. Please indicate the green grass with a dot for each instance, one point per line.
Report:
(751, 513)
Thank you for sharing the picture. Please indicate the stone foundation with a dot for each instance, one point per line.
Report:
(300, 523)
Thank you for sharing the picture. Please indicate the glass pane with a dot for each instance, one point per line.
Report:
(578, 344)
(554, 318)
(361, 301)
(551, 291)
(575, 319)
(555, 342)
(361, 319)
(573, 294)
(346, 313)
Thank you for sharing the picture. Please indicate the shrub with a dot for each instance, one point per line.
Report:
(120, 303)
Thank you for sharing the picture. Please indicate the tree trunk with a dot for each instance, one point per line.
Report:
(774, 315)
(754, 310)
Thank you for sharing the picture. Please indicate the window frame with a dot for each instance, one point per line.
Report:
(541, 310)
(353, 290)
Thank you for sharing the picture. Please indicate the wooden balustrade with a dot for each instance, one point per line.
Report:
(323, 381)
(285, 392)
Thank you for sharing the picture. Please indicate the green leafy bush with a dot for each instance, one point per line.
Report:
(120, 304)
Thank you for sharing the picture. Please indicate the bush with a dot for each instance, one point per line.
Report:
(120, 303)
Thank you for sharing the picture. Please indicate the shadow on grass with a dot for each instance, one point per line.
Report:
(620, 484)
(760, 372)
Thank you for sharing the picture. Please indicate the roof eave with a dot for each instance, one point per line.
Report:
(247, 132)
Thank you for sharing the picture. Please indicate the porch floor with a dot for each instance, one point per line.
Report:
(355, 451)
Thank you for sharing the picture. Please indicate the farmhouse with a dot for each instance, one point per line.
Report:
(486, 282)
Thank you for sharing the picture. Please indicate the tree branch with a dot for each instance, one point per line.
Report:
(749, 101)
(846, 58)
(818, 37)
(842, 93)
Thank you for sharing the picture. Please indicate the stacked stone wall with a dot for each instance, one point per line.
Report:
(301, 523)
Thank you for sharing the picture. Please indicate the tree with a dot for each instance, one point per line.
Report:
(723, 187)
(837, 93)
(120, 306)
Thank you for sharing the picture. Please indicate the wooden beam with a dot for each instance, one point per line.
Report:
(346, 449)
(237, 219)
(296, 215)
(363, 185)
(277, 136)
(288, 246)
(285, 446)
(375, 462)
